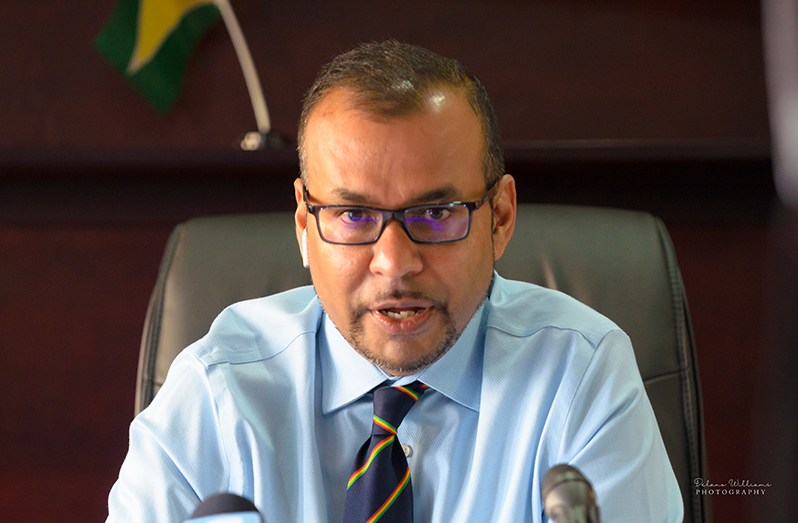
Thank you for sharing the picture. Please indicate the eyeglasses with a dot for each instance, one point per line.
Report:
(429, 223)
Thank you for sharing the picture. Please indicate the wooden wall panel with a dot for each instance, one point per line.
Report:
(724, 271)
(620, 69)
(72, 303)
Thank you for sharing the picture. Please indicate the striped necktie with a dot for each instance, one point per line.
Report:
(379, 487)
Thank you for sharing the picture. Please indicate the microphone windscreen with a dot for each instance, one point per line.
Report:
(568, 496)
(559, 474)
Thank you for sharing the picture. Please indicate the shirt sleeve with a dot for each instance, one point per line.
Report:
(612, 436)
(170, 442)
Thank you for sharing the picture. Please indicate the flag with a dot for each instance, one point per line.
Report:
(150, 41)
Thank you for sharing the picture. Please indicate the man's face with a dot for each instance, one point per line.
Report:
(400, 304)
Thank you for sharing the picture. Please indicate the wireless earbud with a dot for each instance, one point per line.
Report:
(305, 262)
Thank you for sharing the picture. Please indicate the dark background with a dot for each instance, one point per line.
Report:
(656, 105)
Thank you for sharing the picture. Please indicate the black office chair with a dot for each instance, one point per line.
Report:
(621, 263)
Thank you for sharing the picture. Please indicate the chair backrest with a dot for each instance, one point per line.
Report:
(621, 263)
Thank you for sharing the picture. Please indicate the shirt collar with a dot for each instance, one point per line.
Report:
(458, 374)
(346, 375)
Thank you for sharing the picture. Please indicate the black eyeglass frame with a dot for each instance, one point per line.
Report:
(398, 215)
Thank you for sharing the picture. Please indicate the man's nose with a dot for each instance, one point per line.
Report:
(394, 254)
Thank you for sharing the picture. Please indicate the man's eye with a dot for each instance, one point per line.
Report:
(355, 216)
(437, 213)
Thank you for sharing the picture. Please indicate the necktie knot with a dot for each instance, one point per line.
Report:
(391, 405)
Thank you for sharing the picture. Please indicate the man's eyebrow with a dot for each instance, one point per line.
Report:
(446, 193)
(342, 194)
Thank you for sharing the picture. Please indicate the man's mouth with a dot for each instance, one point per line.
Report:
(402, 314)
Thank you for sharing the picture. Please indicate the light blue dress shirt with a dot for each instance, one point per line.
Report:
(273, 404)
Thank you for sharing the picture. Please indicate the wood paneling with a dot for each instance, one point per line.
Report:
(72, 303)
(620, 69)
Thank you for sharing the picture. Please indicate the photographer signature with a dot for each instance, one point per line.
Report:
(732, 483)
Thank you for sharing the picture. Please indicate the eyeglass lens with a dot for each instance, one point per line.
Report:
(426, 223)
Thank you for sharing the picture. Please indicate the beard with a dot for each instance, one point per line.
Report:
(357, 335)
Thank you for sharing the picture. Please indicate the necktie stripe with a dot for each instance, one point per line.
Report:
(409, 392)
(381, 445)
(385, 506)
(384, 424)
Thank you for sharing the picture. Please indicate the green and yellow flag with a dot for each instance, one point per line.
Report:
(150, 41)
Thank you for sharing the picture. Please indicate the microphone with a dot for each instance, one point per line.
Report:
(225, 508)
(568, 497)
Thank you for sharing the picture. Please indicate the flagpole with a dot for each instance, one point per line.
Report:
(247, 66)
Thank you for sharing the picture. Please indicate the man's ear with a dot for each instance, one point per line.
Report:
(301, 213)
(504, 209)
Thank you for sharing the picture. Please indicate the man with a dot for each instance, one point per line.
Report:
(402, 208)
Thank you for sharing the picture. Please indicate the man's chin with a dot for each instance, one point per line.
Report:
(403, 358)
(401, 366)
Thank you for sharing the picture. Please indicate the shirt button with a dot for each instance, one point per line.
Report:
(408, 450)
